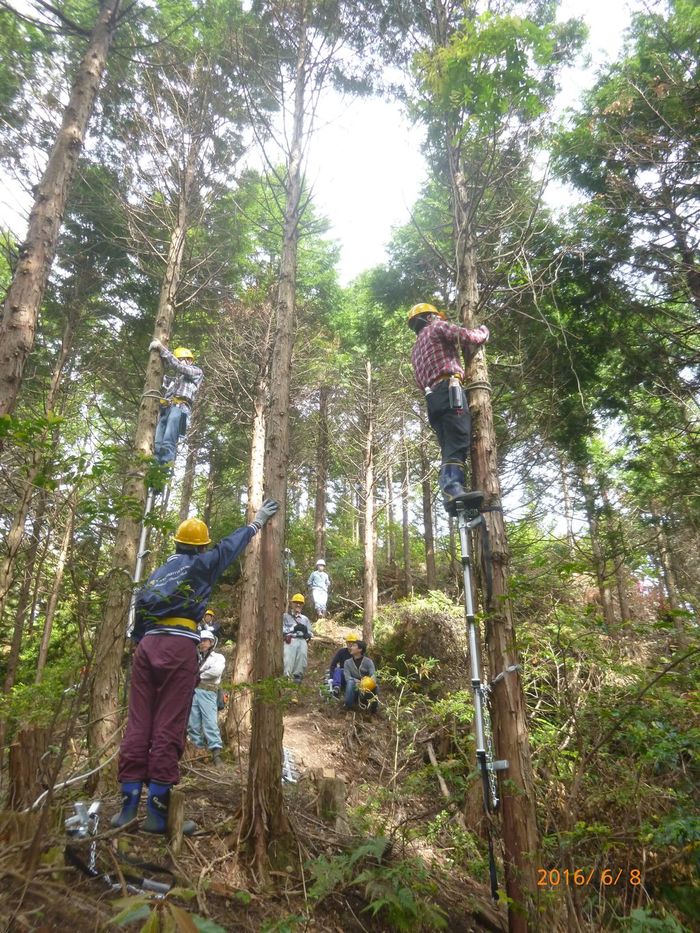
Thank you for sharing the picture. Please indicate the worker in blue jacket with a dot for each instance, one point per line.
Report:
(164, 672)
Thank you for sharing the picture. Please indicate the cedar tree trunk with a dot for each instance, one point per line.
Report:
(369, 525)
(429, 535)
(520, 833)
(26, 291)
(239, 708)
(321, 474)
(265, 824)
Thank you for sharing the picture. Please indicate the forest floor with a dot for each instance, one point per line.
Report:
(211, 871)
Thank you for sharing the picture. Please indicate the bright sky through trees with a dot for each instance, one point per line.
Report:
(366, 164)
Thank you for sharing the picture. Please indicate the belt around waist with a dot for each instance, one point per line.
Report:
(176, 620)
(210, 688)
(447, 376)
(176, 400)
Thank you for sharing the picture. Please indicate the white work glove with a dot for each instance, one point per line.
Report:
(265, 513)
(155, 345)
(479, 335)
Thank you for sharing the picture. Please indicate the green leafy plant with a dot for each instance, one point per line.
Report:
(402, 893)
(163, 915)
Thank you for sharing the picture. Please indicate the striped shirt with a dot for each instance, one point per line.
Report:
(436, 351)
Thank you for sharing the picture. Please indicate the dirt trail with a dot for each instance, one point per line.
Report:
(313, 728)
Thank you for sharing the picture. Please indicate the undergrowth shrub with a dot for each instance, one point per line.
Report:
(431, 627)
(401, 893)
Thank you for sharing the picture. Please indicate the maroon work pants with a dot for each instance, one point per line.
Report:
(163, 678)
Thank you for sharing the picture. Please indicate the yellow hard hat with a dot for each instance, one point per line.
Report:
(209, 612)
(352, 636)
(182, 353)
(192, 531)
(419, 309)
(298, 598)
(368, 684)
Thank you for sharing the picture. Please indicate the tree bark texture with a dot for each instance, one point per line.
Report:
(405, 518)
(428, 533)
(390, 547)
(212, 483)
(511, 739)
(26, 771)
(321, 474)
(193, 442)
(369, 539)
(26, 292)
(238, 715)
(265, 825)
(111, 635)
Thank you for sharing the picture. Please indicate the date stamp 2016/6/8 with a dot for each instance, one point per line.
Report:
(607, 877)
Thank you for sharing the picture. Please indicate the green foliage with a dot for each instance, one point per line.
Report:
(400, 893)
(38, 704)
(289, 924)
(497, 66)
(422, 640)
(162, 915)
(641, 919)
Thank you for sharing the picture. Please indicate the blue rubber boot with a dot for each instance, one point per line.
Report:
(451, 481)
(131, 797)
(157, 810)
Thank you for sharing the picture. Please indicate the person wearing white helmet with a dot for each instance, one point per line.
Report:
(319, 584)
(203, 724)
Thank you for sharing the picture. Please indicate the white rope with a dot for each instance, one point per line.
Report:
(73, 780)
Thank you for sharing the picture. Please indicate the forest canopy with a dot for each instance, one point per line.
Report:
(161, 154)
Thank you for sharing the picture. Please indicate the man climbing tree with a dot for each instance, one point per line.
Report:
(439, 372)
(177, 401)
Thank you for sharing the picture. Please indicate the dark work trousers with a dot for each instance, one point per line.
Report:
(163, 677)
(452, 425)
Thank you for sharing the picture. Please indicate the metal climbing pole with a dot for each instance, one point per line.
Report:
(141, 555)
(469, 519)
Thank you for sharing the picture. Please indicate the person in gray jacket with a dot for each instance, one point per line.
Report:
(359, 670)
(177, 403)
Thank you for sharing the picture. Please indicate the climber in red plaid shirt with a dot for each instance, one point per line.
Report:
(439, 372)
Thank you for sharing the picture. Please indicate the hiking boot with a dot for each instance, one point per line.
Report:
(216, 758)
(157, 807)
(131, 797)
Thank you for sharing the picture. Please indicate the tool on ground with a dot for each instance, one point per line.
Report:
(83, 824)
(468, 520)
